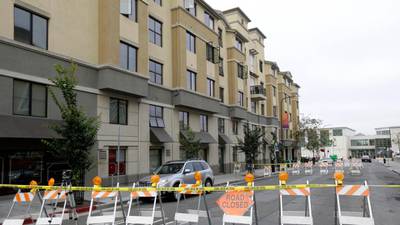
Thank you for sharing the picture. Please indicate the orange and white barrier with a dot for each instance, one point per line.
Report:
(355, 218)
(295, 217)
(53, 197)
(308, 168)
(339, 166)
(267, 171)
(192, 215)
(20, 198)
(323, 168)
(296, 168)
(101, 196)
(242, 219)
(355, 167)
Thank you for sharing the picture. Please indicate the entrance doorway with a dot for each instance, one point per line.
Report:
(155, 158)
(221, 158)
(203, 153)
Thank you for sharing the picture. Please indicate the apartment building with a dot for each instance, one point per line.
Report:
(149, 69)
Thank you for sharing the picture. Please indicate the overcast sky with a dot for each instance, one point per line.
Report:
(345, 55)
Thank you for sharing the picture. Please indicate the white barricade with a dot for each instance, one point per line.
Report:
(101, 196)
(339, 166)
(346, 163)
(355, 167)
(53, 197)
(323, 168)
(295, 217)
(267, 171)
(232, 219)
(308, 168)
(236, 168)
(296, 168)
(354, 218)
(20, 198)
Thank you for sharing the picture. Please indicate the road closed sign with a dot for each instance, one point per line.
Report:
(235, 202)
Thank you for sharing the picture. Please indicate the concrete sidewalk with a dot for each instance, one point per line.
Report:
(393, 165)
(21, 211)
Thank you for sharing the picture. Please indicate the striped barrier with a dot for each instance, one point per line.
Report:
(323, 168)
(308, 168)
(296, 168)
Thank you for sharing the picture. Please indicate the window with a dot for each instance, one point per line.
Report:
(190, 42)
(212, 53)
(191, 80)
(274, 91)
(118, 111)
(30, 28)
(235, 127)
(156, 72)
(359, 142)
(337, 132)
(128, 57)
(158, 2)
(261, 65)
(155, 31)
(221, 125)
(253, 107)
(274, 111)
(262, 109)
(203, 123)
(235, 154)
(240, 98)
(210, 87)
(116, 160)
(190, 6)
(239, 44)
(183, 120)
(221, 66)
(242, 71)
(208, 20)
(221, 94)
(156, 116)
(220, 40)
(29, 99)
(128, 8)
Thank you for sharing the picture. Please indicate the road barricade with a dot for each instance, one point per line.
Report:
(100, 196)
(354, 218)
(346, 163)
(295, 217)
(237, 168)
(339, 166)
(308, 168)
(355, 167)
(267, 171)
(296, 168)
(20, 199)
(52, 197)
(323, 168)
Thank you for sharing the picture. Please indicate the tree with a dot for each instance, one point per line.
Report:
(190, 144)
(77, 131)
(309, 132)
(396, 139)
(250, 144)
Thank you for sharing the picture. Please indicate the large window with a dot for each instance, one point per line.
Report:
(337, 132)
(30, 28)
(235, 127)
(203, 123)
(128, 57)
(212, 53)
(156, 72)
(116, 160)
(221, 125)
(190, 6)
(274, 111)
(274, 91)
(253, 107)
(118, 111)
(155, 31)
(210, 87)
(158, 2)
(156, 116)
(239, 44)
(240, 99)
(208, 20)
(221, 66)
(128, 8)
(221, 94)
(261, 66)
(220, 38)
(183, 120)
(360, 142)
(29, 99)
(190, 42)
(191, 80)
(242, 71)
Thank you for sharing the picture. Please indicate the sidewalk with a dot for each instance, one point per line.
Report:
(393, 165)
(20, 211)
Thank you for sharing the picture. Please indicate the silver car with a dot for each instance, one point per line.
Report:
(174, 173)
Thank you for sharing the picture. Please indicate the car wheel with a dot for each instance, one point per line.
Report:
(208, 183)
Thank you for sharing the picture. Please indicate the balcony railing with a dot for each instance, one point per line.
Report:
(257, 90)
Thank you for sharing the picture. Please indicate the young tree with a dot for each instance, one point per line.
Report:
(253, 139)
(190, 144)
(77, 131)
(309, 133)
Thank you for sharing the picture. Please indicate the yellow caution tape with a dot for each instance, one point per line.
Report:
(180, 189)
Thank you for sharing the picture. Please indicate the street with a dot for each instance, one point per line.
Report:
(385, 201)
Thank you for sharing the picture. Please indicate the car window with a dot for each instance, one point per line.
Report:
(189, 165)
(205, 165)
(170, 168)
(198, 166)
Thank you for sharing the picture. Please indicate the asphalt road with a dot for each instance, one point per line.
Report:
(385, 201)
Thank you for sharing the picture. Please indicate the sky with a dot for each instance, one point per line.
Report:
(345, 55)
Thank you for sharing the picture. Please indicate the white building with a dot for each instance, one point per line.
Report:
(340, 145)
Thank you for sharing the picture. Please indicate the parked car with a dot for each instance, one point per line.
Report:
(174, 173)
(366, 158)
(327, 160)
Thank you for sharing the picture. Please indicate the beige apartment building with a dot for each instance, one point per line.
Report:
(150, 69)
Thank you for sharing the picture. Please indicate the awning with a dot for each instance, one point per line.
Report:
(203, 137)
(223, 139)
(26, 127)
(159, 135)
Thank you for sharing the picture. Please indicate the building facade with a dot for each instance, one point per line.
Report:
(149, 69)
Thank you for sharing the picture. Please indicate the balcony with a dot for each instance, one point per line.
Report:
(258, 93)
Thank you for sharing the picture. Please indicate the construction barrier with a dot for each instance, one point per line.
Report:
(267, 171)
(52, 197)
(355, 167)
(323, 168)
(98, 196)
(339, 166)
(296, 168)
(20, 198)
(236, 168)
(308, 168)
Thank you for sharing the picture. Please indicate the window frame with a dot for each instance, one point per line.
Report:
(209, 20)
(156, 117)
(119, 100)
(260, 66)
(221, 67)
(190, 46)
(193, 13)
(235, 127)
(134, 11)
(155, 33)
(241, 98)
(239, 44)
(191, 79)
(31, 14)
(210, 87)
(221, 125)
(30, 99)
(123, 150)
(184, 124)
(158, 2)
(203, 123)
(220, 38)
(221, 94)
(155, 73)
(129, 46)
